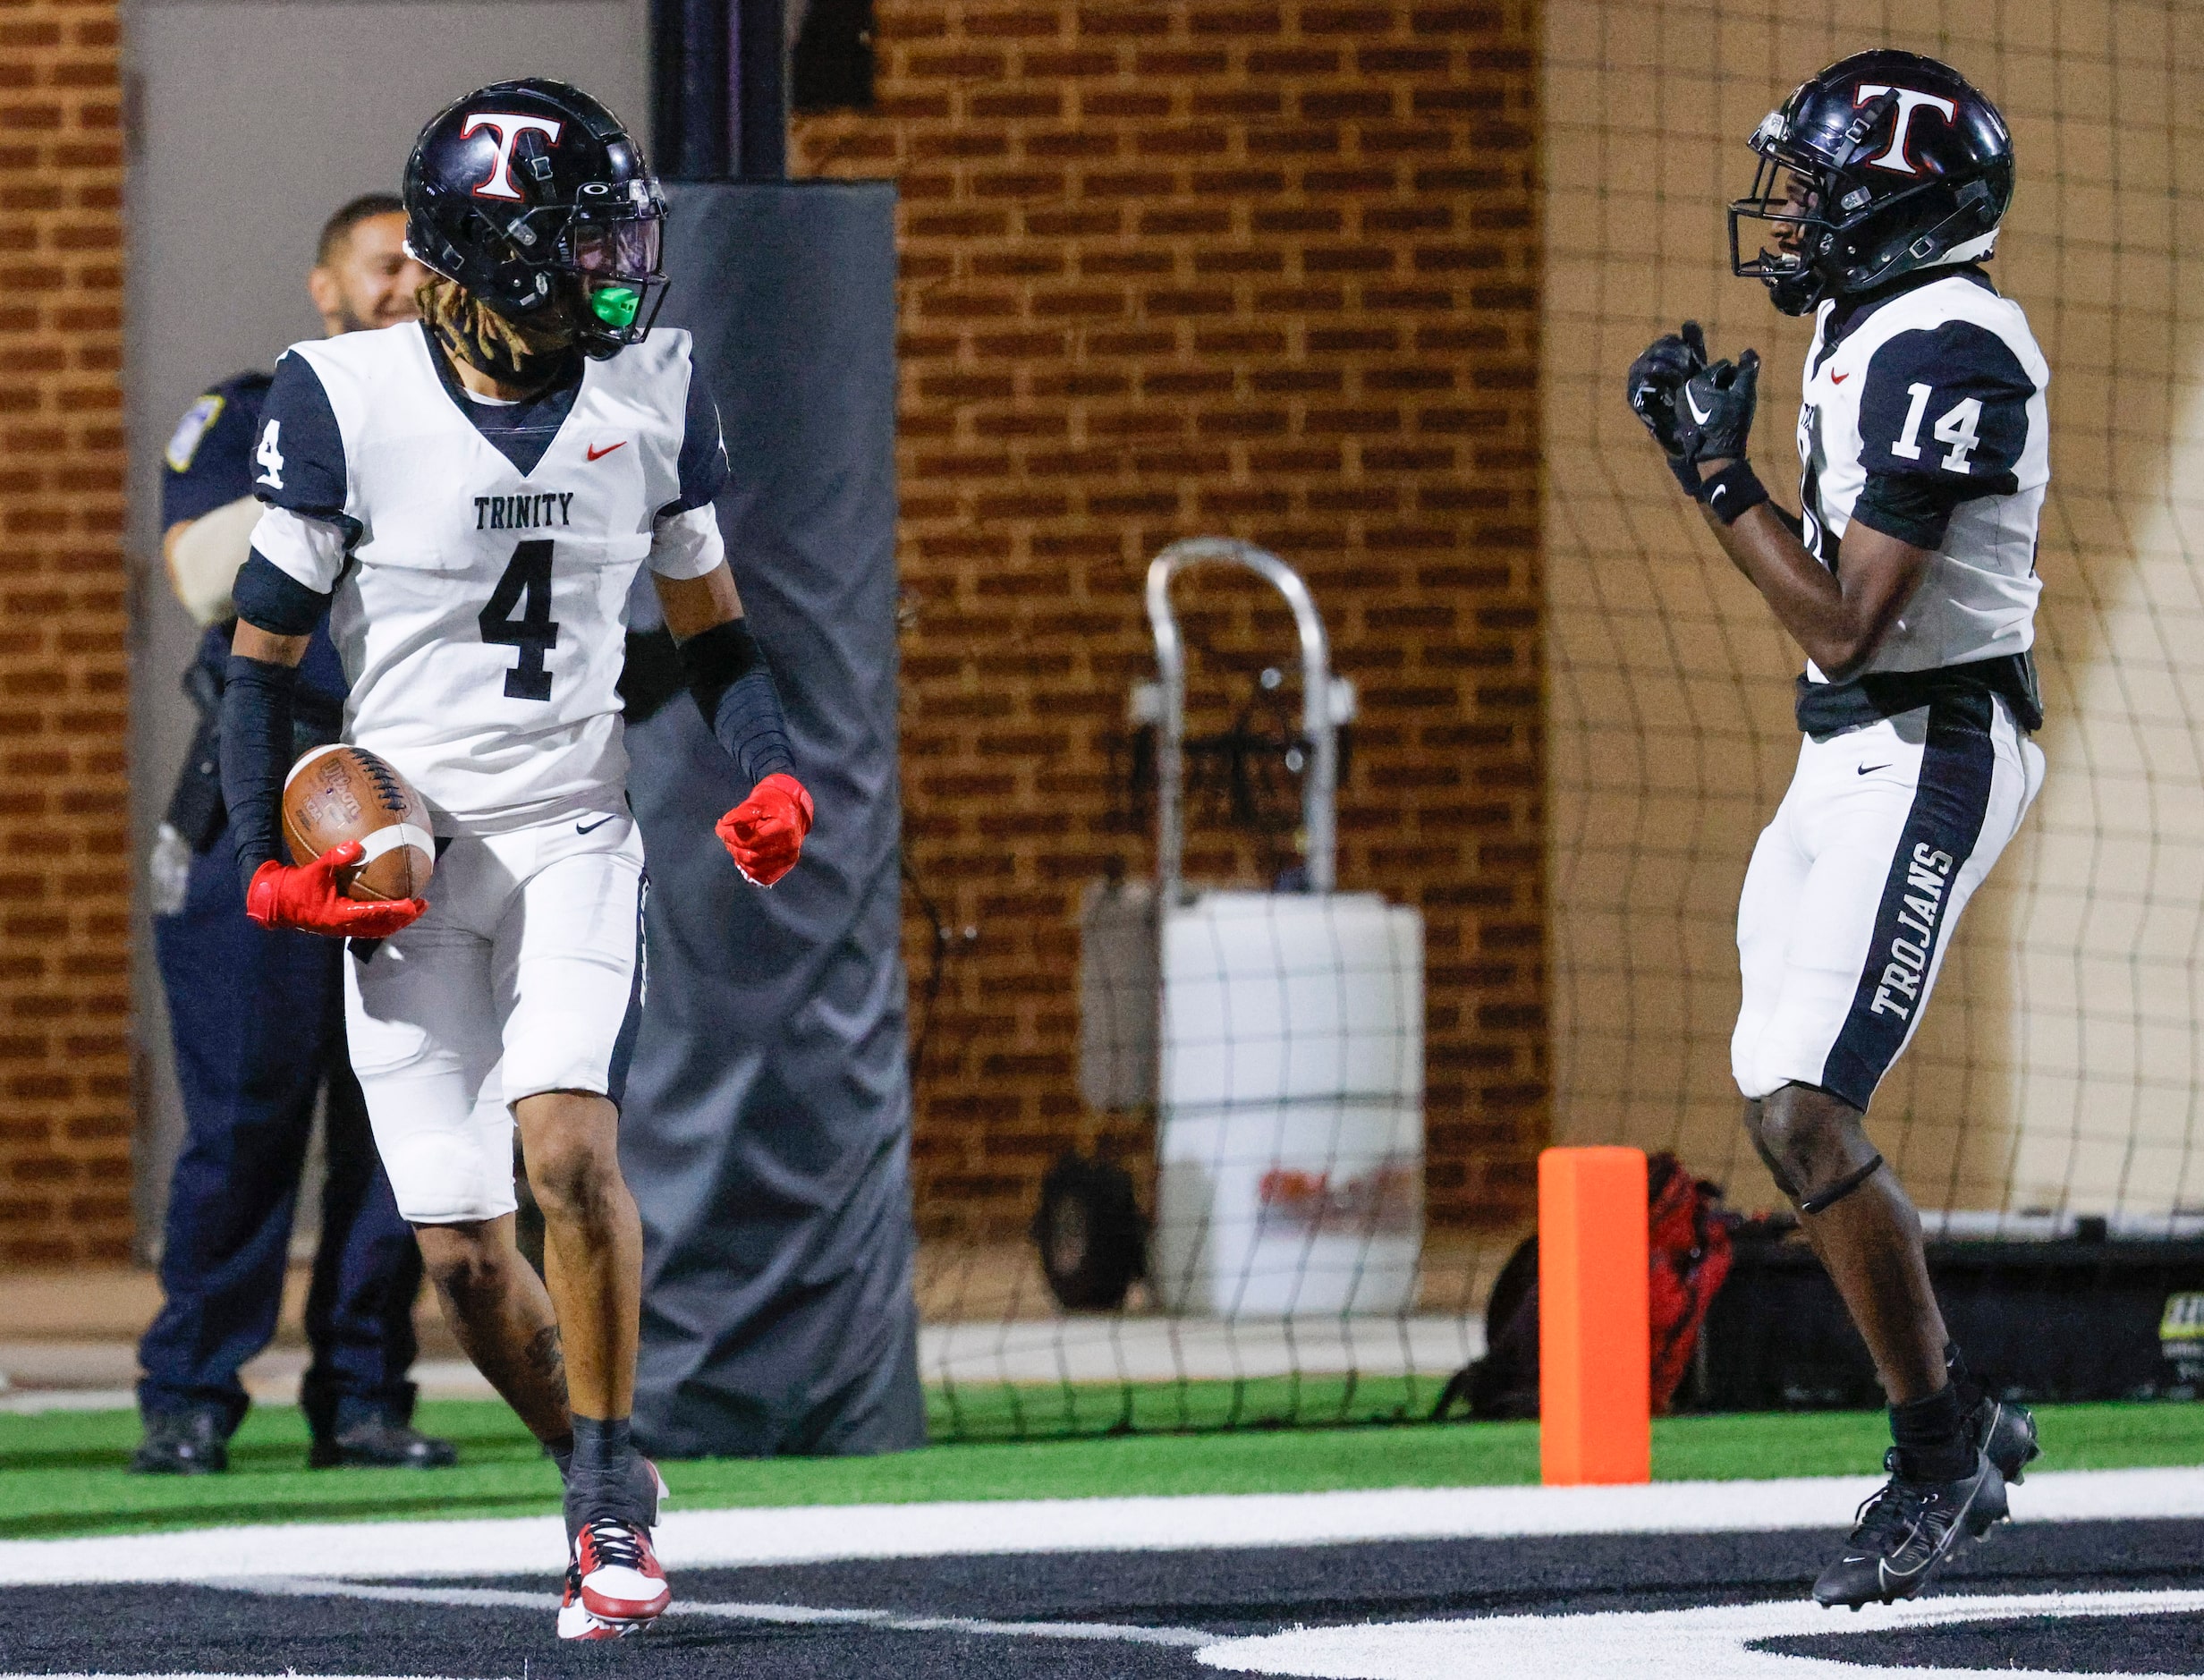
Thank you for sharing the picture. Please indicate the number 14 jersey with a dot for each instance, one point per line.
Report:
(480, 553)
(1936, 388)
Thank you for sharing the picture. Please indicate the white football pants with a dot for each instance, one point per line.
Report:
(1856, 884)
(524, 976)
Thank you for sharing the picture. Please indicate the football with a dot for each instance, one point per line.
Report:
(338, 793)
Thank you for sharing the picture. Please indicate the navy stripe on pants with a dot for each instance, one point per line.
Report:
(1950, 801)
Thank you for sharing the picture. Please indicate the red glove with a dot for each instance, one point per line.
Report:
(309, 898)
(764, 834)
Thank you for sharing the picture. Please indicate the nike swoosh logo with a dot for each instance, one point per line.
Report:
(1865, 769)
(1838, 378)
(591, 827)
(1702, 417)
(598, 454)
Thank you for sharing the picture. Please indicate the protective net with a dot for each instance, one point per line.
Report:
(2049, 1100)
(2056, 1071)
(1250, 1250)
(2051, 1093)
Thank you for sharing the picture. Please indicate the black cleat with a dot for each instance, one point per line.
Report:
(187, 1443)
(381, 1443)
(1906, 1529)
(2006, 1431)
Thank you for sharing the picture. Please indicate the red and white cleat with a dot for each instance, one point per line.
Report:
(621, 1580)
(576, 1622)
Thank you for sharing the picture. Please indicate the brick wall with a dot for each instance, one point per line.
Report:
(65, 1055)
(1265, 270)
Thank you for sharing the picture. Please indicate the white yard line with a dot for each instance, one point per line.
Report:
(1715, 1643)
(818, 1533)
(780, 1614)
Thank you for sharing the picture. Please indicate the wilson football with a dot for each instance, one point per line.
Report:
(338, 793)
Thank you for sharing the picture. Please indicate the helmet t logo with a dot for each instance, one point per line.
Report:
(508, 128)
(1895, 158)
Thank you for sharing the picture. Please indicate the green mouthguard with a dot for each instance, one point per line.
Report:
(616, 306)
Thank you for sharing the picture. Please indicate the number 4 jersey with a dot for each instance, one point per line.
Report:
(1924, 418)
(480, 553)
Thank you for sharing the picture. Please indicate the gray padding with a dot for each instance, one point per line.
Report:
(767, 1128)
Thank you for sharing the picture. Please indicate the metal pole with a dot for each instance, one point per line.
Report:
(1169, 731)
(1320, 795)
(694, 96)
(761, 138)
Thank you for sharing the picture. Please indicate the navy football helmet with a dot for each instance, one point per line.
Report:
(1883, 163)
(534, 198)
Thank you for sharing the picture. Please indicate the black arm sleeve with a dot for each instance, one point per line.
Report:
(733, 689)
(256, 751)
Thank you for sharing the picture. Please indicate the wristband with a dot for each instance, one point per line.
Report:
(1732, 492)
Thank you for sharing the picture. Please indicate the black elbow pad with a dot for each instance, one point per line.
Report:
(269, 598)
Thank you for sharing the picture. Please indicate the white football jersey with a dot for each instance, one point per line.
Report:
(1943, 385)
(480, 555)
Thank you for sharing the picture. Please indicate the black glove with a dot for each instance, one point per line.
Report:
(1656, 378)
(1713, 415)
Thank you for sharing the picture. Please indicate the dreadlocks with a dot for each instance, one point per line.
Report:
(511, 352)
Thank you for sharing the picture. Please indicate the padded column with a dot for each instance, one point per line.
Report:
(766, 1127)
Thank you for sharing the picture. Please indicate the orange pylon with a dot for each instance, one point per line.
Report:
(1595, 1345)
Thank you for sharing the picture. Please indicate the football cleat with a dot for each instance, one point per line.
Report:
(2006, 1433)
(620, 1577)
(577, 1622)
(1906, 1529)
(645, 1471)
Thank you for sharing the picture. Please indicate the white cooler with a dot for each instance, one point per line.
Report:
(1290, 1106)
(1280, 1035)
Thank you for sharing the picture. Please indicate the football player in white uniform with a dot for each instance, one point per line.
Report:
(468, 497)
(1909, 582)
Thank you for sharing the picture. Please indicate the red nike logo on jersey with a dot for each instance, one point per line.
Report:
(598, 454)
(1835, 378)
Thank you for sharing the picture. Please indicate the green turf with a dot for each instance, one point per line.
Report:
(62, 1473)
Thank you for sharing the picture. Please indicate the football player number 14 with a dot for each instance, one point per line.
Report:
(527, 585)
(1957, 429)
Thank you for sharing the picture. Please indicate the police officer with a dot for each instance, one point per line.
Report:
(258, 1016)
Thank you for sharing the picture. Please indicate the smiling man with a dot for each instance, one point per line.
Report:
(1909, 580)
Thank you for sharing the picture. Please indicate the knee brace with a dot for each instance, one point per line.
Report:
(1815, 1155)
